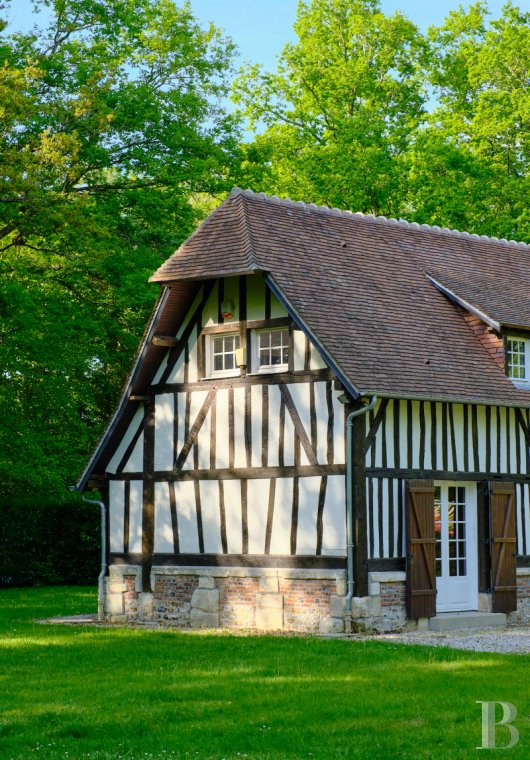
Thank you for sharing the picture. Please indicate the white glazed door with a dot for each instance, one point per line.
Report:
(455, 525)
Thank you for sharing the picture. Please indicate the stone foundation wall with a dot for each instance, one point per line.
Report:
(172, 598)
(522, 614)
(309, 601)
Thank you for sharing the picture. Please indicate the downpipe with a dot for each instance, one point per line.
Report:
(101, 577)
(349, 506)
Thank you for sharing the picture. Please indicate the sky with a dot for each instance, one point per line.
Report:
(260, 28)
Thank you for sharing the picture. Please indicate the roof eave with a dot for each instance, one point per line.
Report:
(146, 342)
(213, 275)
(479, 401)
(349, 386)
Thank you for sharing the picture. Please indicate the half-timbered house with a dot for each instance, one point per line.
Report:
(327, 424)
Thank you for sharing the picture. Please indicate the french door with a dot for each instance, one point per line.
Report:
(455, 528)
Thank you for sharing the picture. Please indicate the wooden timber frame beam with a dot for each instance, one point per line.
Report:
(148, 501)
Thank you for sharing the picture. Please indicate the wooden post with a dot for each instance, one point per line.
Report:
(148, 506)
(360, 548)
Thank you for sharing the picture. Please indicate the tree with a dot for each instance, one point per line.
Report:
(112, 126)
(470, 167)
(340, 111)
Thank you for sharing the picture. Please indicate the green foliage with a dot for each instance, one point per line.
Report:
(470, 167)
(50, 542)
(365, 113)
(111, 127)
(342, 107)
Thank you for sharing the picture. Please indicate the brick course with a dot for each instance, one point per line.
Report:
(172, 602)
(130, 597)
(305, 602)
(491, 342)
(237, 601)
(523, 587)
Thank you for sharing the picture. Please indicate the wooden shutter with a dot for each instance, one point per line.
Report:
(421, 548)
(503, 547)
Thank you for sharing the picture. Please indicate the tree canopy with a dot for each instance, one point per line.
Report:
(342, 106)
(365, 112)
(113, 129)
(116, 137)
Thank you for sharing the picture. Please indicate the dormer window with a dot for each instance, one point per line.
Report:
(271, 350)
(222, 355)
(517, 360)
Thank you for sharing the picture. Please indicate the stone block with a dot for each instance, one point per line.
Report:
(366, 606)
(337, 605)
(145, 606)
(116, 587)
(484, 602)
(269, 584)
(269, 618)
(201, 619)
(206, 581)
(117, 618)
(341, 586)
(269, 601)
(114, 604)
(206, 600)
(331, 625)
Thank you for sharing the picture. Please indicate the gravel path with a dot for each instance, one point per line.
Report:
(505, 640)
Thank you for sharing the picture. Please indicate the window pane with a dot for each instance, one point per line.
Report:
(273, 350)
(276, 356)
(515, 359)
(223, 353)
(276, 338)
(264, 339)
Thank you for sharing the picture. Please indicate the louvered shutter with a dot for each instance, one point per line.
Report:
(421, 548)
(503, 547)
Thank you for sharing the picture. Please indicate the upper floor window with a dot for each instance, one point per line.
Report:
(271, 353)
(517, 359)
(223, 354)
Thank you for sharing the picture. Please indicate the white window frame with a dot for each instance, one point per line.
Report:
(210, 342)
(523, 383)
(255, 351)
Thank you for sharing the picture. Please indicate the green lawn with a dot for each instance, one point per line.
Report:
(82, 692)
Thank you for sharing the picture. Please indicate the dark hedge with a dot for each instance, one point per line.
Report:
(49, 543)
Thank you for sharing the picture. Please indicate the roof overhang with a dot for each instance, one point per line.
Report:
(465, 304)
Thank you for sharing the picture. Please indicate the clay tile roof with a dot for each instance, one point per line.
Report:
(364, 286)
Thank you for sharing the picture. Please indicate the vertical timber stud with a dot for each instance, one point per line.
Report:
(148, 507)
(503, 547)
(360, 526)
(483, 535)
(421, 548)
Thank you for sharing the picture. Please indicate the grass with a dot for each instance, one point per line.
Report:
(108, 693)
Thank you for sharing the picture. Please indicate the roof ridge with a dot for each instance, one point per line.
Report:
(250, 250)
(378, 219)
